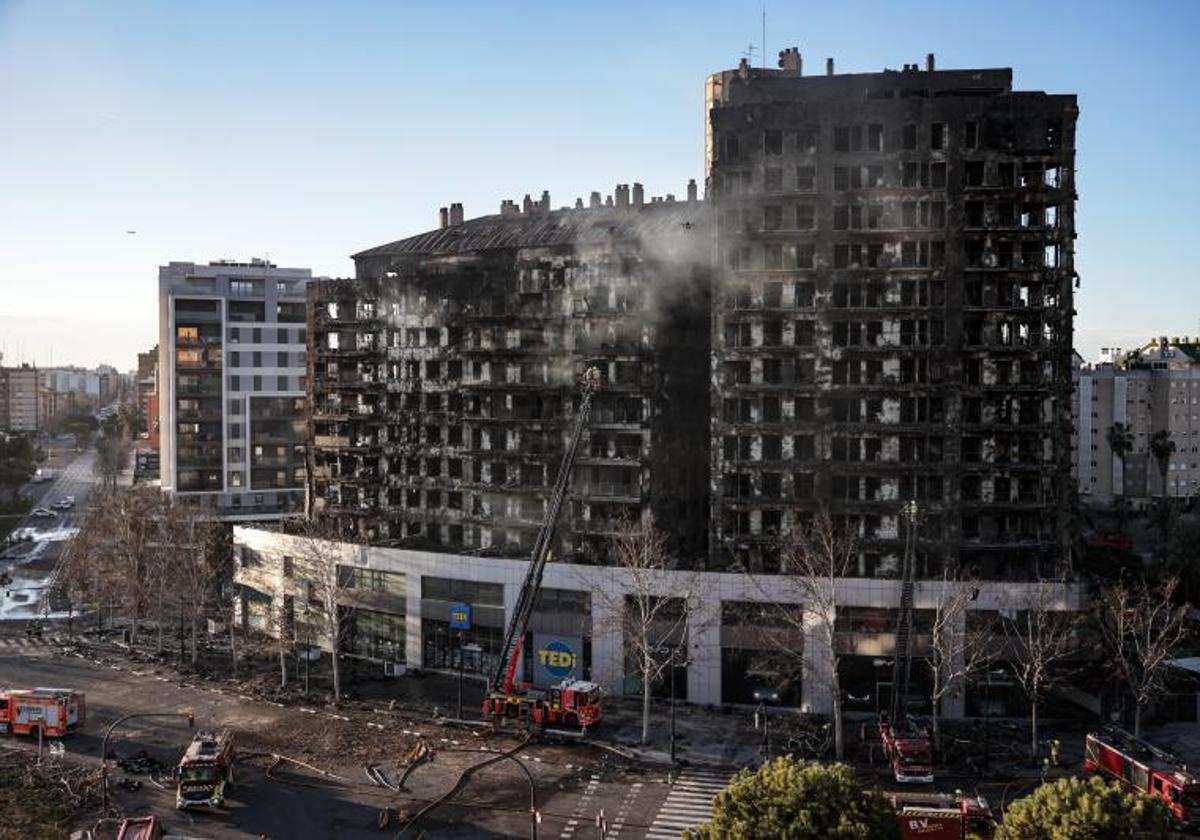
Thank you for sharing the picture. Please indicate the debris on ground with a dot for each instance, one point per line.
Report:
(46, 800)
(141, 763)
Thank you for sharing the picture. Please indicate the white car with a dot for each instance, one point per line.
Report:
(65, 503)
(42, 513)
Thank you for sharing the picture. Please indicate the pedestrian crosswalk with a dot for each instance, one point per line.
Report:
(689, 803)
(15, 642)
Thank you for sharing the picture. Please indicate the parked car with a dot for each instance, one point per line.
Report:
(42, 513)
(22, 535)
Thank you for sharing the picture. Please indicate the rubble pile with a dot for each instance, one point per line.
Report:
(47, 799)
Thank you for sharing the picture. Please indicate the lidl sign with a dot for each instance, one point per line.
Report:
(556, 658)
(460, 616)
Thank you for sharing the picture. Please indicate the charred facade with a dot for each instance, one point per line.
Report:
(892, 319)
(444, 377)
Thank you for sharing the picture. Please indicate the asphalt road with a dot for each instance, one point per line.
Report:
(30, 562)
(572, 786)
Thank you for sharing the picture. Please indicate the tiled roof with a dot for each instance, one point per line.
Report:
(557, 227)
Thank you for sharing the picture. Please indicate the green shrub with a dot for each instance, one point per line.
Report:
(1084, 809)
(798, 800)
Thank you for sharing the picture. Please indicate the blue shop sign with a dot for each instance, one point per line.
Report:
(460, 616)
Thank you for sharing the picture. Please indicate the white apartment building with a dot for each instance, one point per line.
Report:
(1155, 387)
(232, 370)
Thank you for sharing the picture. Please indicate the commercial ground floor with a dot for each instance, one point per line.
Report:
(446, 611)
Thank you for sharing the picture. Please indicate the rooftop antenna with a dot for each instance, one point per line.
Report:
(749, 53)
(764, 36)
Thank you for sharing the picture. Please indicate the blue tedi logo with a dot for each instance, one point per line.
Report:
(558, 659)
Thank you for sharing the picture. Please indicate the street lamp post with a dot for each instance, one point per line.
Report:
(672, 667)
(671, 651)
(191, 719)
(461, 656)
(760, 717)
(463, 650)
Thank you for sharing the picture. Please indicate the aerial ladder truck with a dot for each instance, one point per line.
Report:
(905, 742)
(570, 703)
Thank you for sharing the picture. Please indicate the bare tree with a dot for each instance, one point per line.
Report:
(75, 576)
(1142, 627)
(1041, 641)
(812, 557)
(653, 613)
(956, 651)
(328, 585)
(172, 546)
(121, 526)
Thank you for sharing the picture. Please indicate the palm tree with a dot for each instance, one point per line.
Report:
(1120, 441)
(1161, 447)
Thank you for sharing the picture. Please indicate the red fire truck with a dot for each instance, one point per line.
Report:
(570, 703)
(140, 828)
(1145, 768)
(942, 816)
(205, 770)
(907, 748)
(52, 711)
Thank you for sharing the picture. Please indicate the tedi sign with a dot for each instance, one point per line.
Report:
(555, 658)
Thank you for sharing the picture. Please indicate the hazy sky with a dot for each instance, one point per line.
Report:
(307, 131)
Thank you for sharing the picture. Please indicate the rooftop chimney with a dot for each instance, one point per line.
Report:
(443, 218)
(829, 67)
(790, 62)
(929, 62)
(744, 68)
(691, 189)
(579, 204)
(527, 205)
(456, 214)
(622, 195)
(595, 200)
(546, 201)
(639, 195)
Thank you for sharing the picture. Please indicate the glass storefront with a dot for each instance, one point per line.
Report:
(373, 635)
(440, 646)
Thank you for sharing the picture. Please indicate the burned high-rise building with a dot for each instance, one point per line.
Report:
(871, 307)
(892, 312)
(444, 377)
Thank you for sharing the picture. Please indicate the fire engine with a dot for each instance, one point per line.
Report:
(906, 746)
(205, 770)
(905, 742)
(942, 816)
(570, 703)
(1145, 768)
(52, 711)
(140, 828)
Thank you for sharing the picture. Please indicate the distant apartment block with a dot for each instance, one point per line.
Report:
(231, 371)
(1153, 388)
(22, 407)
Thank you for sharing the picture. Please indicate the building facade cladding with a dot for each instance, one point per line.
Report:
(445, 377)
(1154, 388)
(892, 319)
(231, 374)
